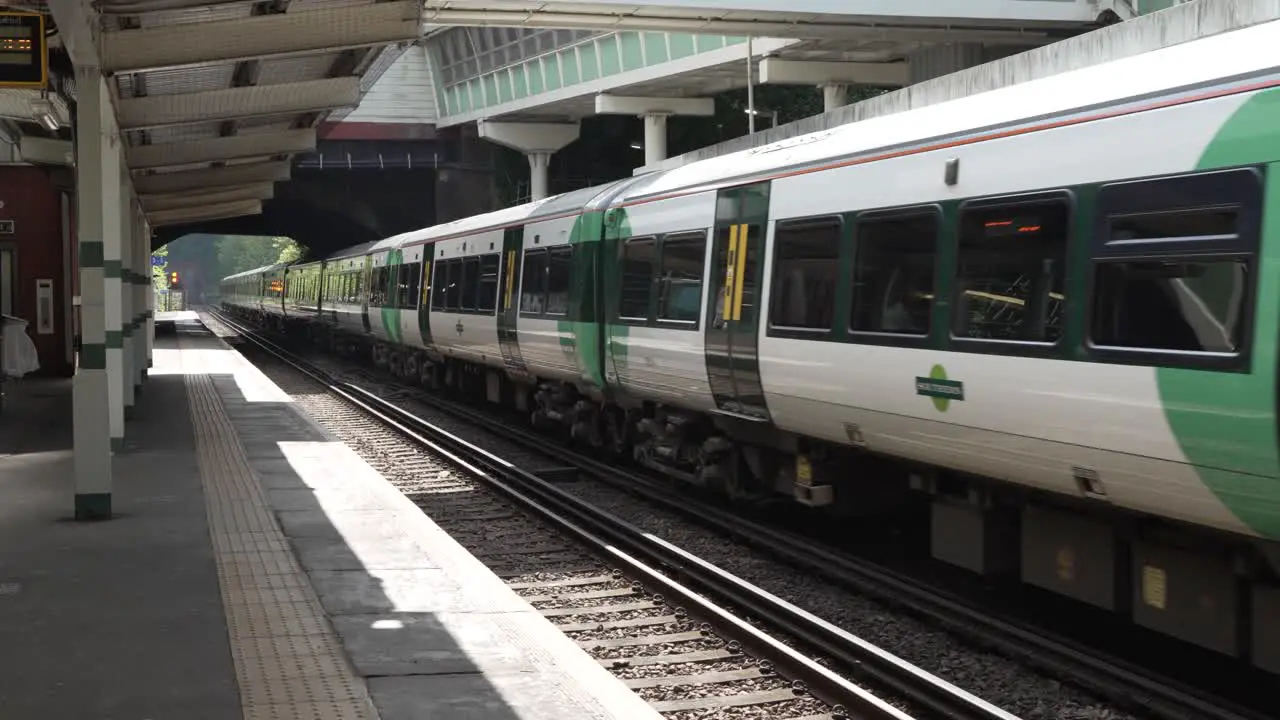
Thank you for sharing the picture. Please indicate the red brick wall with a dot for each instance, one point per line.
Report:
(35, 206)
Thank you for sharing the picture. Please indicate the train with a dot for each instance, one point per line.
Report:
(1049, 309)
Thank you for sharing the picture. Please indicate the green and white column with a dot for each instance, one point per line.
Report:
(150, 293)
(98, 413)
(128, 264)
(141, 282)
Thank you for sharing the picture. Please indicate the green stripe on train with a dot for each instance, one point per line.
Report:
(580, 334)
(1225, 422)
(391, 315)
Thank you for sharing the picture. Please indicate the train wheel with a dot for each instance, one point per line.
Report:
(409, 367)
(616, 431)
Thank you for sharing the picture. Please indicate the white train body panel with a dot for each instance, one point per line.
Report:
(410, 333)
(1025, 420)
(664, 363)
(464, 335)
(547, 341)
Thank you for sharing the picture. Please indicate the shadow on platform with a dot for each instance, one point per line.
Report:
(123, 619)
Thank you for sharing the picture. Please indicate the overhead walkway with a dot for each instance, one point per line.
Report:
(527, 71)
(1174, 23)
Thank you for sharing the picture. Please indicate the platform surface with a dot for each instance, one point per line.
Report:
(256, 569)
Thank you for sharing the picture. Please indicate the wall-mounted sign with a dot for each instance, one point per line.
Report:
(24, 51)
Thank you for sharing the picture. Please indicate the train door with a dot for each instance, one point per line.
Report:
(732, 327)
(509, 301)
(366, 275)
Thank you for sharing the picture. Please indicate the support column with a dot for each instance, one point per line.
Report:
(127, 263)
(151, 295)
(539, 169)
(834, 96)
(91, 388)
(654, 111)
(655, 138)
(141, 281)
(537, 140)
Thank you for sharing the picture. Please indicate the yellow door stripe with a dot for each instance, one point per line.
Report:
(729, 264)
(426, 285)
(740, 271)
(511, 279)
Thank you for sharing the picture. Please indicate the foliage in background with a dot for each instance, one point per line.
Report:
(203, 260)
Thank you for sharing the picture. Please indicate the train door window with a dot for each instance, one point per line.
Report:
(637, 278)
(559, 274)
(438, 285)
(805, 255)
(410, 276)
(470, 282)
(1174, 269)
(453, 287)
(533, 282)
(1011, 270)
(487, 293)
(683, 260)
(893, 271)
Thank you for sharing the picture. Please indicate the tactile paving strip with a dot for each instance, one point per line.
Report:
(289, 662)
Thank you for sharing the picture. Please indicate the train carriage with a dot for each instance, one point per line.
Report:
(1051, 308)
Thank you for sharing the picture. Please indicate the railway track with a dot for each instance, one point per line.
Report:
(693, 640)
(1122, 684)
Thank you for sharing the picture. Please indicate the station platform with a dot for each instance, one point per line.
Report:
(254, 568)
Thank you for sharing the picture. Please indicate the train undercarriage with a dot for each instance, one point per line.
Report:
(1211, 589)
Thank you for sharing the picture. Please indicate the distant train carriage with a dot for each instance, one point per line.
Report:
(1046, 307)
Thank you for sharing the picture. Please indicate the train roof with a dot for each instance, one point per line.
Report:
(1245, 56)
(353, 251)
(569, 203)
(255, 271)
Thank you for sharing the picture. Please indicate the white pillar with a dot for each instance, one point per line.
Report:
(91, 388)
(655, 138)
(141, 281)
(833, 96)
(151, 294)
(127, 262)
(539, 169)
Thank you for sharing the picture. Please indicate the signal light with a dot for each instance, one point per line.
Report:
(173, 278)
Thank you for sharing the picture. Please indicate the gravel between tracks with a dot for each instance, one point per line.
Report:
(1016, 688)
(527, 553)
(1004, 682)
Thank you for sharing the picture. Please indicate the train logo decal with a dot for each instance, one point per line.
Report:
(939, 389)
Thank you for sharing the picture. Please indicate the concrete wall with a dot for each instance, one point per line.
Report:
(35, 206)
(1172, 26)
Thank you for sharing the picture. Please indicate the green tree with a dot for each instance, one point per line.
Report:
(160, 271)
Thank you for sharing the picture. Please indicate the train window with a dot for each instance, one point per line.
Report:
(683, 258)
(470, 282)
(637, 278)
(1010, 283)
(1192, 305)
(438, 285)
(410, 276)
(448, 275)
(533, 282)
(487, 294)
(893, 270)
(804, 274)
(559, 273)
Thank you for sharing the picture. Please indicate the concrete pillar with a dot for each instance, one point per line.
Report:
(655, 138)
(95, 421)
(151, 295)
(654, 111)
(537, 140)
(834, 96)
(539, 169)
(128, 264)
(139, 266)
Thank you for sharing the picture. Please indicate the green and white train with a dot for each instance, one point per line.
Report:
(1052, 307)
